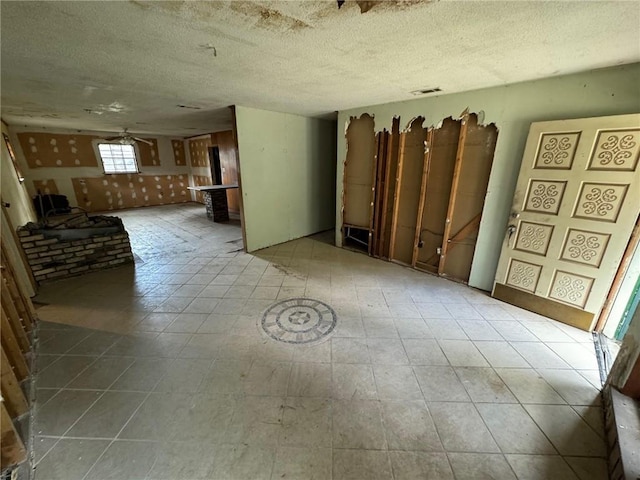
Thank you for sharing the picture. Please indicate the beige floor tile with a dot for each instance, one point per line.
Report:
(142, 375)
(528, 386)
(539, 355)
(409, 426)
(184, 375)
(256, 420)
(63, 371)
(484, 385)
(387, 351)
(420, 465)
(302, 463)
(462, 353)
(191, 461)
(353, 381)
(475, 466)
(501, 355)
(589, 468)
(358, 424)
(568, 432)
(441, 384)
(310, 380)
(246, 462)
(396, 383)
(102, 373)
(306, 423)
(572, 386)
(361, 464)
(461, 428)
(424, 352)
(514, 430)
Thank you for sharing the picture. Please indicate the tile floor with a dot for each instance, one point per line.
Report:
(159, 371)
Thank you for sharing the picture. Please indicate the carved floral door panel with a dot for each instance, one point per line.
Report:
(576, 203)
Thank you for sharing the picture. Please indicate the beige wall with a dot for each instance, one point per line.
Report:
(161, 181)
(512, 108)
(287, 166)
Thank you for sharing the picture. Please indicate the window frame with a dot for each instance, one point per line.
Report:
(136, 156)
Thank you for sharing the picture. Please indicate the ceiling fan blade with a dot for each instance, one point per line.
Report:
(138, 139)
(109, 139)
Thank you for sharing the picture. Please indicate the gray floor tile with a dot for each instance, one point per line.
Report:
(71, 459)
(302, 463)
(420, 465)
(475, 466)
(396, 383)
(540, 467)
(353, 381)
(62, 411)
(125, 460)
(528, 386)
(424, 352)
(462, 353)
(108, 415)
(306, 423)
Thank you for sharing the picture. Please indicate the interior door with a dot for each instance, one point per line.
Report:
(576, 203)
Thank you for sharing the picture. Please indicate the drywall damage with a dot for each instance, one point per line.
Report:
(426, 191)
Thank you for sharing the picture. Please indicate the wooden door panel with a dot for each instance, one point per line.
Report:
(576, 203)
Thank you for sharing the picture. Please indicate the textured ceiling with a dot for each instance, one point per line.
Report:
(107, 65)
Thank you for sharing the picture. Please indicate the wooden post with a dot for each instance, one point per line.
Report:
(394, 218)
(15, 325)
(12, 349)
(454, 191)
(12, 450)
(11, 391)
(374, 171)
(423, 191)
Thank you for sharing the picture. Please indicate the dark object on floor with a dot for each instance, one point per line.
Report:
(51, 204)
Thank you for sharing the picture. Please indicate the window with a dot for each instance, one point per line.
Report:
(12, 154)
(117, 158)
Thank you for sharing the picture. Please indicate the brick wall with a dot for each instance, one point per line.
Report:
(52, 258)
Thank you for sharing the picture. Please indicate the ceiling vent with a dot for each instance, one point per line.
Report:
(190, 107)
(426, 91)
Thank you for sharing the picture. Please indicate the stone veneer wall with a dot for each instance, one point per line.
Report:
(52, 258)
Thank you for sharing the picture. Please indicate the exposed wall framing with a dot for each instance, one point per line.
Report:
(469, 187)
(408, 185)
(18, 321)
(359, 180)
(427, 191)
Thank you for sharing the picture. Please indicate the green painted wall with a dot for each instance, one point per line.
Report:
(287, 168)
(512, 108)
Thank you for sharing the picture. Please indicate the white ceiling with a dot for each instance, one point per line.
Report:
(107, 65)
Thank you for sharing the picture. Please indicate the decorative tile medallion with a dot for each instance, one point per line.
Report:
(523, 275)
(544, 196)
(586, 247)
(600, 201)
(571, 288)
(299, 321)
(533, 238)
(557, 150)
(616, 150)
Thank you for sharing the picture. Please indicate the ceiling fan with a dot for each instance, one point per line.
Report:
(125, 138)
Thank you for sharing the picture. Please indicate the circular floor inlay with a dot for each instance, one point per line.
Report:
(299, 320)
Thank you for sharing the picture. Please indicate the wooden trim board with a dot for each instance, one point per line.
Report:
(542, 306)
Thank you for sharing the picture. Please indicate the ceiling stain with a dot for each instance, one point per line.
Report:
(268, 18)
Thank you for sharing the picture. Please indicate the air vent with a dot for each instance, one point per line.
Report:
(426, 91)
(190, 107)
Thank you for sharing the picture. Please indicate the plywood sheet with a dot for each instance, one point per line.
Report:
(113, 192)
(46, 187)
(179, 156)
(199, 150)
(475, 168)
(358, 171)
(148, 154)
(58, 150)
(412, 152)
(227, 149)
(199, 180)
(438, 190)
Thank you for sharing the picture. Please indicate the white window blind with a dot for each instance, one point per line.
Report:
(117, 158)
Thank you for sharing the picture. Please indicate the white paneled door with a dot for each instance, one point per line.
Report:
(576, 203)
